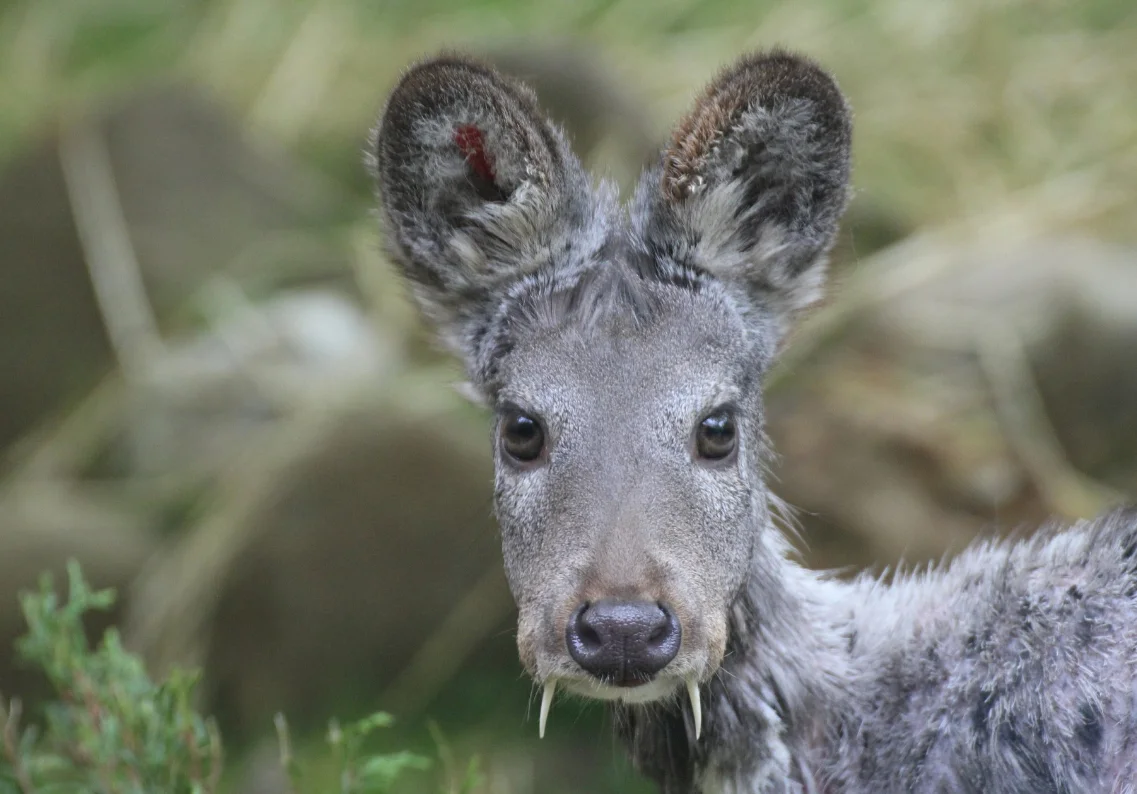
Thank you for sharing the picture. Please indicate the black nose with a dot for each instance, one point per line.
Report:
(623, 642)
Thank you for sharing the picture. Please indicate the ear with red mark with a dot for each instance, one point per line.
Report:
(476, 187)
(472, 144)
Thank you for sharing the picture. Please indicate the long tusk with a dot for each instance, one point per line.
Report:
(696, 706)
(546, 704)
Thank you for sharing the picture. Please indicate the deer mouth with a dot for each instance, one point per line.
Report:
(657, 689)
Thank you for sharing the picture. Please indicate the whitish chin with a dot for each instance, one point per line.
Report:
(655, 690)
(658, 689)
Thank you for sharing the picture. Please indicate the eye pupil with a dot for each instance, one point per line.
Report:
(522, 437)
(716, 438)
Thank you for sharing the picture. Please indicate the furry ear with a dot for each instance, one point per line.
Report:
(476, 189)
(754, 183)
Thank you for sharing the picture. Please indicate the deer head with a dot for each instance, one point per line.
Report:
(620, 349)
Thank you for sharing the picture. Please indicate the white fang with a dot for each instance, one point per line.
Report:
(696, 706)
(546, 704)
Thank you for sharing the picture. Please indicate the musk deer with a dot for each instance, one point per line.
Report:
(622, 351)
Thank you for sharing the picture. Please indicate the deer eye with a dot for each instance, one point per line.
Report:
(522, 437)
(716, 437)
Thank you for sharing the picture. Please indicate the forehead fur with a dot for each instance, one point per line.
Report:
(622, 301)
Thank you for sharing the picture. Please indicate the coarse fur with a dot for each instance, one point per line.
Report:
(618, 332)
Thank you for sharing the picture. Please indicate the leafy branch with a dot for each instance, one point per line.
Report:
(112, 730)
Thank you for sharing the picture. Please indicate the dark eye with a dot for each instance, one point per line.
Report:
(522, 437)
(715, 437)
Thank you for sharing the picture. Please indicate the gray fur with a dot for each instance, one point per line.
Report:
(1009, 670)
(459, 249)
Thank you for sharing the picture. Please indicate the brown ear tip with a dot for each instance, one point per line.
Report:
(770, 78)
(447, 80)
(451, 68)
(429, 75)
(782, 72)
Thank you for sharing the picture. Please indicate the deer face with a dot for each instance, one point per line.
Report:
(628, 489)
(620, 351)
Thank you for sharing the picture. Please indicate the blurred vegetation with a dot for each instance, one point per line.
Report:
(965, 110)
(114, 731)
(1012, 116)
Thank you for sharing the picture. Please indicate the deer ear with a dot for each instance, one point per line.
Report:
(476, 189)
(753, 185)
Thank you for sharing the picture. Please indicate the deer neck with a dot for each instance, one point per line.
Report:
(764, 708)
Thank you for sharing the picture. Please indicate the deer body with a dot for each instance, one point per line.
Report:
(622, 352)
(1011, 670)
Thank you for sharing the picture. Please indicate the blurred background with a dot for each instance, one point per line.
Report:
(214, 395)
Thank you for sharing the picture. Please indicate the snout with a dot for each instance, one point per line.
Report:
(623, 643)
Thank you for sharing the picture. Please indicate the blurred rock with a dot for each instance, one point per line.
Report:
(955, 388)
(332, 554)
(196, 199)
(212, 390)
(54, 347)
(1087, 372)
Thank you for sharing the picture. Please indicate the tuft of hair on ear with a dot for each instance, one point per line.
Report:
(476, 189)
(754, 182)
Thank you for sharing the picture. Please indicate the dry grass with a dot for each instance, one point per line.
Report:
(1020, 110)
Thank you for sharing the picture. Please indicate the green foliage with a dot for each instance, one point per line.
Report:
(360, 774)
(112, 730)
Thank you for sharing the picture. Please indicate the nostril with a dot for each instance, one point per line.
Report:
(663, 642)
(664, 625)
(584, 641)
(590, 637)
